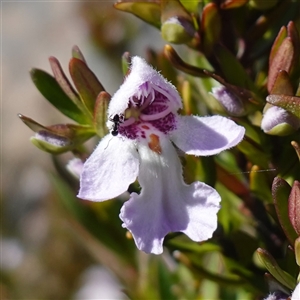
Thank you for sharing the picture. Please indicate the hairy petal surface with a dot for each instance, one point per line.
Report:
(166, 204)
(110, 169)
(206, 135)
(141, 73)
(275, 116)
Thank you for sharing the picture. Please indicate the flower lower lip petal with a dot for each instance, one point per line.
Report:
(166, 204)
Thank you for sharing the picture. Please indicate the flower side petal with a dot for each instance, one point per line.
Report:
(140, 73)
(166, 204)
(109, 170)
(206, 135)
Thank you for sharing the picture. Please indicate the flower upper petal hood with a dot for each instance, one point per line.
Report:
(206, 135)
(141, 73)
(110, 169)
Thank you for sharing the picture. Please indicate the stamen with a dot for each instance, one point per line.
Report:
(161, 91)
(148, 101)
(156, 116)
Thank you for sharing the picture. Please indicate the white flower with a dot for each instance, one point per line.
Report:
(144, 128)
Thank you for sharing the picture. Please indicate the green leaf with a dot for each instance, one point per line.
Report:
(282, 84)
(64, 83)
(229, 4)
(233, 70)
(289, 103)
(173, 8)
(165, 282)
(284, 59)
(272, 266)
(254, 153)
(100, 110)
(297, 251)
(259, 184)
(86, 83)
(191, 5)
(294, 206)
(280, 192)
(52, 91)
(179, 64)
(210, 26)
(147, 11)
(76, 53)
(282, 34)
(126, 60)
(255, 145)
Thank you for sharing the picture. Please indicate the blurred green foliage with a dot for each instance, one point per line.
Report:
(250, 47)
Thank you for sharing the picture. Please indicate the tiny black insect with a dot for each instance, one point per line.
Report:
(116, 119)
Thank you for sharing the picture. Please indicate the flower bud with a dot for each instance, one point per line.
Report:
(52, 138)
(229, 100)
(177, 30)
(178, 24)
(58, 138)
(277, 121)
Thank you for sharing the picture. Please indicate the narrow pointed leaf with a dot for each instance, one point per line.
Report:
(228, 4)
(100, 111)
(86, 82)
(63, 81)
(52, 91)
(294, 206)
(297, 250)
(277, 43)
(259, 184)
(283, 60)
(296, 147)
(76, 53)
(289, 103)
(280, 192)
(33, 125)
(272, 266)
(254, 153)
(147, 11)
(126, 60)
(179, 64)
(228, 173)
(191, 6)
(210, 26)
(173, 8)
(231, 67)
(282, 85)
